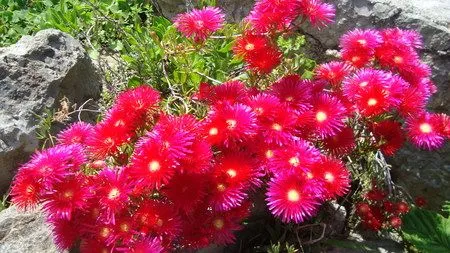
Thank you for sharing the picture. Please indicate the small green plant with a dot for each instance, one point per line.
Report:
(427, 231)
(277, 248)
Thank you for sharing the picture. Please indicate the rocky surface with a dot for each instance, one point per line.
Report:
(24, 232)
(35, 74)
(235, 10)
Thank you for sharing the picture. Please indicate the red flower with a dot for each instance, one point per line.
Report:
(335, 176)
(186, 191)
(228, 93)
(420, 201)
(269, 15)
(401, 207)
(333, 72)
(151, 164)
(265, 60)
(26, 191)
(395, 222)
(390, 136)
(341, 143)
(65, 232)
(157, 218)
(250, 44)
(113, 192)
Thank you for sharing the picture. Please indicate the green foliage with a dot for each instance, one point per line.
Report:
(428, 231)
(276, 248)
(44, 128)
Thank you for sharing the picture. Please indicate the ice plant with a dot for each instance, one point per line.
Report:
(149, 179)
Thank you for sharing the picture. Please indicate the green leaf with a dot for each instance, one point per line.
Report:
(428, 231)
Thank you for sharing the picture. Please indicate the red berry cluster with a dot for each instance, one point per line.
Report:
(379, 212)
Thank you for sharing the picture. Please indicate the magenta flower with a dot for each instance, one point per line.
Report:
(293, 198)
(199, 24)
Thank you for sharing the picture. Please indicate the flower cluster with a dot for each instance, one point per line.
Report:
(141, 180)
(267, 21)
(379, 212)
(381, 78)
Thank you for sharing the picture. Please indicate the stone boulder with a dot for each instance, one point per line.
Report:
(235, 10)
(35, 74)
(24, 232)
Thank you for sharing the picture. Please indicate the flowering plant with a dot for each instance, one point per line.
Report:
(147, 180)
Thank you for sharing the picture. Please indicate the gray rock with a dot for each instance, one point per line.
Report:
(24, 232)
(235, 10)
(35, 74)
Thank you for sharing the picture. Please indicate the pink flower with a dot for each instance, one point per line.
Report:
(230, 124)
(293, 92)
(364, 40)
(66, 197)
(273, 15)
(425, 131)
(319, 14)
(297, 156)
(328, 115)
(200, 24)
(293, 198)
(147, 245)
(75, 133)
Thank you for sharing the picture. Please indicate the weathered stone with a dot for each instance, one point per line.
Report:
(24, 232)
(235, 10)
(35, 74)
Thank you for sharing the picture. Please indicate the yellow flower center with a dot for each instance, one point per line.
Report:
(425, 128)
(114, 193)
(221, 187)
(154, 166)
(276, 127)
(231, 124)
(293, 195)
(372, 102)
(329, 177)
(231, 172)
(249, 47)
(269, 154)
(218, 223)
(213, 131)
(321, 116)
(294, 161)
